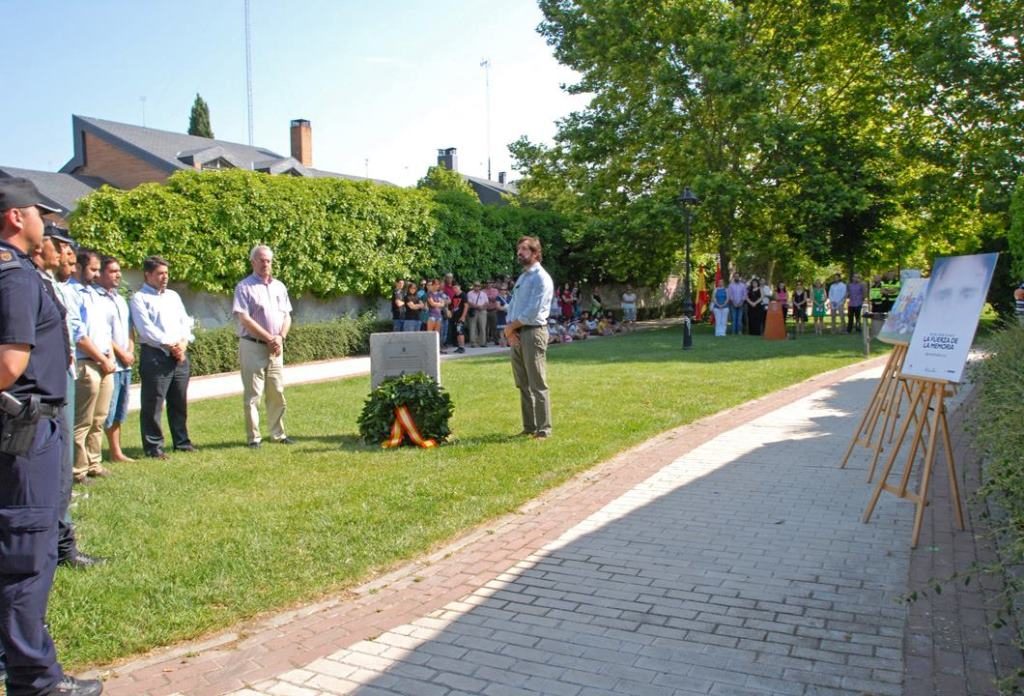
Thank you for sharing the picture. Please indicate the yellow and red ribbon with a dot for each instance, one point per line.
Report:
(404, 425)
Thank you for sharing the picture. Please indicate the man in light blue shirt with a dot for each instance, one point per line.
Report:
(95, 367)
(526, 329)
(165, 330)
(123, 347)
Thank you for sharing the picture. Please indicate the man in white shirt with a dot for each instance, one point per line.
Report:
(164, 329)
(123, 347)
(477, 301)
(95, 366)
(836, 299)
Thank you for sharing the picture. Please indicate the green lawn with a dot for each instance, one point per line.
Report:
(202, 541)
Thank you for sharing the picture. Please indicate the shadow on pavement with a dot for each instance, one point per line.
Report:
(740, 568)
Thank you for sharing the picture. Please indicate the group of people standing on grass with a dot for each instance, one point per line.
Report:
(103, 328)
(477, 316)
(742, 306)
(443, 306)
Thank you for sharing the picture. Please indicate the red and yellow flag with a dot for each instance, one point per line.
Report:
(404, 425)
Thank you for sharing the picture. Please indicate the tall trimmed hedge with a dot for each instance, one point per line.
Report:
(216, 350)
(330, 236)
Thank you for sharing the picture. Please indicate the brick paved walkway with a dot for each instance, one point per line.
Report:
(725, 557)
(950, 645)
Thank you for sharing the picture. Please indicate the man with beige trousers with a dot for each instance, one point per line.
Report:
(264, 319)
(95, 367)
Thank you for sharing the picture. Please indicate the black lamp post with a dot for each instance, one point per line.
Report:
(687, 199)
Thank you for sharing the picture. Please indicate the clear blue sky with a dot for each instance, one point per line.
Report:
(384, 84)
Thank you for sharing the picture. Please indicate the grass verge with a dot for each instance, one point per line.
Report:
(205, 540)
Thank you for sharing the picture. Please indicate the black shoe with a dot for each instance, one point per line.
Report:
(540, 435)
(77, 559)
(285, 441)
(187, 448)
(460, 349)
(253, 445)
(69, 686)
(157, 454)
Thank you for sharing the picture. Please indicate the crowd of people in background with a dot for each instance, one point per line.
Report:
(742, 305)
(473, 315)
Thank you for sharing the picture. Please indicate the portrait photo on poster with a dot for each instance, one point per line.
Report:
(899, 324)
(948, 319)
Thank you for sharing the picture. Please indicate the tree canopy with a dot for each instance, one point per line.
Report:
(816, 132)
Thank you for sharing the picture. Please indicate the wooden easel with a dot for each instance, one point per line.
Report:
(882, 401)
(930, 396)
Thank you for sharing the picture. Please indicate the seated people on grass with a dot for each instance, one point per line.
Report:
(606, 325)
(580, 330)
(554, 331)
(589, 322)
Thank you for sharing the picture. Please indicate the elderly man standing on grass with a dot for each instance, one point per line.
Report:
(526, 329)
(264, 318)
(477, 301)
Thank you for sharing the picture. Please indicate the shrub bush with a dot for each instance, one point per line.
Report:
(995, 423)
(216, 350)
(670, 309)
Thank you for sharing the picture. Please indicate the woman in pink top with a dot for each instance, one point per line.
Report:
(782, 297)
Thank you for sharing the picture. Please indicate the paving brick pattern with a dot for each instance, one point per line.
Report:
(726, 557)
(741, 567)
(950, 644)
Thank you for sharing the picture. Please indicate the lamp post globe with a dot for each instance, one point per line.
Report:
(687, 201)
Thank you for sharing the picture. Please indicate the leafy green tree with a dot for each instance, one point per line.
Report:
(199, 119)
(1016, 233)
(844, 132)
(439, 178)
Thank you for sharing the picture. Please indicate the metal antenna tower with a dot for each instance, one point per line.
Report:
(486, 65)
(248, 65)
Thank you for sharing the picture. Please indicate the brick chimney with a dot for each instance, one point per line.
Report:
(447, 158)
(302, 142)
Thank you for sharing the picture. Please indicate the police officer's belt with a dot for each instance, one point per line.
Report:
(49, 410)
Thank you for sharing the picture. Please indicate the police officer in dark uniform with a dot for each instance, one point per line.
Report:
(33, 361)
(47, 260)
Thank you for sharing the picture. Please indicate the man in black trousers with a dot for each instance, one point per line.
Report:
(165, 331)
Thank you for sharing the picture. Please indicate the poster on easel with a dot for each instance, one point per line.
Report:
(949, 316)
(902, 318)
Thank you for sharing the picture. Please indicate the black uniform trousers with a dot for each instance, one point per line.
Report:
(66, 544)
(163, 379)
(29, 506)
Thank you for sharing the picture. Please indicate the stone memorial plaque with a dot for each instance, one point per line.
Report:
(402, 353)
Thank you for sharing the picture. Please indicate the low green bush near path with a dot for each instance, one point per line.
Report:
(216, 350)
(996, 423)
(204, 540)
